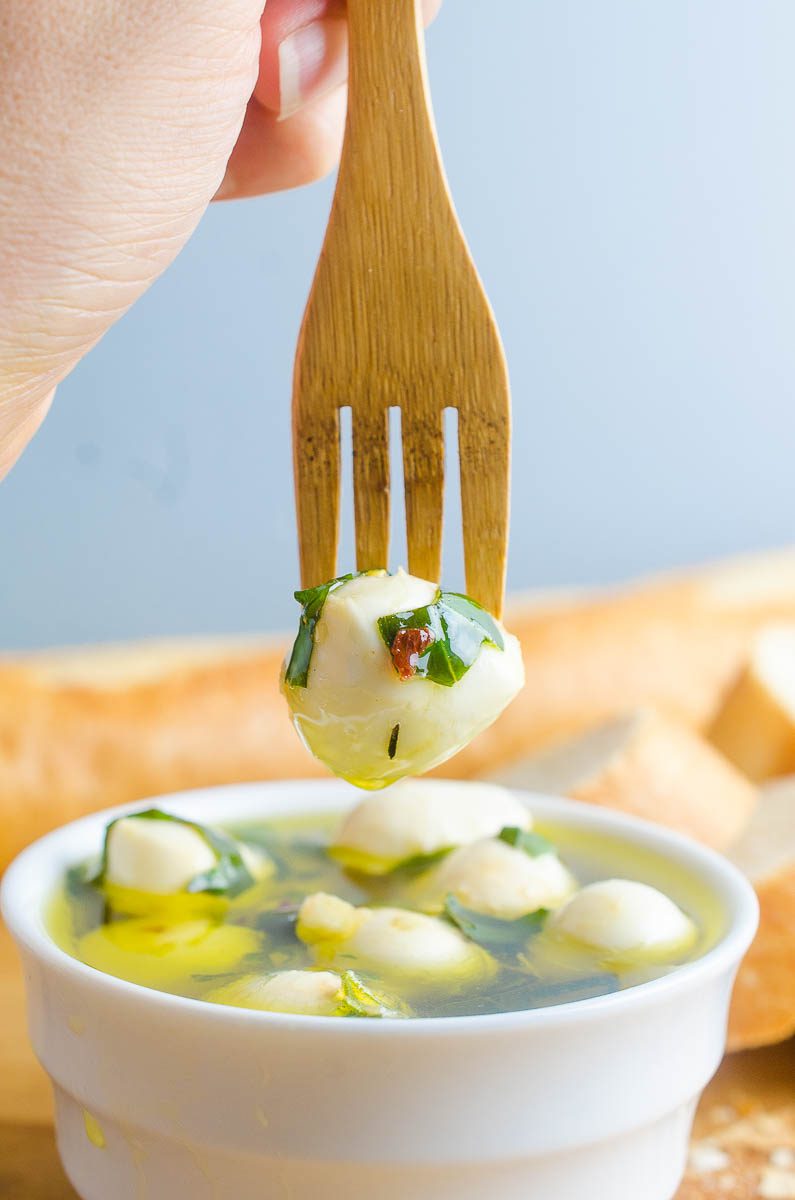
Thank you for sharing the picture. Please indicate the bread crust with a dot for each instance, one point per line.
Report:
(763, 1001)
(755, 725)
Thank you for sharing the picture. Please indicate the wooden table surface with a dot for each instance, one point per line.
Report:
(30, 1170)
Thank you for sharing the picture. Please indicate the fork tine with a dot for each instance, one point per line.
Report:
(484, 439)
(316, 460)
(423, 475)
(371, 487)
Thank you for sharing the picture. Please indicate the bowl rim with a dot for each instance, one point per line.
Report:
(30, 879)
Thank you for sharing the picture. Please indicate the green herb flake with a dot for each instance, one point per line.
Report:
(279, 926)
(228, 877)
(417, 864)
(533, 844)
(504, 939)
(459, 628)
(393, 741)
(312, 601)
(465, 606)
(362, 1000)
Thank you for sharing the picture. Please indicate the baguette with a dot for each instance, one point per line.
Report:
(755, 726)
(763, 1004)
(650, 766)
(81, 729)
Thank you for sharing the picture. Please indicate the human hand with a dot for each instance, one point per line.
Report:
(119, 123)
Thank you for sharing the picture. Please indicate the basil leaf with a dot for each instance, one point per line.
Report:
(228, 877)
(564, 991)
(279, 925)
(419, 863)
(312, 601)
(359, 863)
(361, 1000)
(533, 844)
(473, 611)
(502, 938)
(519, 991)
(89, 906)
(459, 628)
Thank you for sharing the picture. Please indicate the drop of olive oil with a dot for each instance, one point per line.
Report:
(192, 944)
(94, 1131)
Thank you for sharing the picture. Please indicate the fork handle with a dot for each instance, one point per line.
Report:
(390, 119)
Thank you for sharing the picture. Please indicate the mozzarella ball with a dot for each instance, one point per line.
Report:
(492, 877)
(355, 700)
(322, 916)
(162, 857)
(308, 993)
(420, 817)
(155, 856)
(626, 918)
(393, 941)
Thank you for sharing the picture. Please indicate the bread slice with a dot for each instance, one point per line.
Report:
(755, 726)
(83, 728)
(763, 1004)
(743, 1143)
(648, 765)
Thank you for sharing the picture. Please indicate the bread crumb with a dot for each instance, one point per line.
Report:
(783, 1157)
(706, 1157)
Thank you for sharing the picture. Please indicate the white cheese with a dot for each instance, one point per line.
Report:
(418, 817)
(355, 699)
(390, 941)
(162, 857)
(155, 856)
(395, 939)
(625, 918)
(492, 877)
(322, 916)
(310, 993)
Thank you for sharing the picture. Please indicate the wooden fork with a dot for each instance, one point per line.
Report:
(397, 317)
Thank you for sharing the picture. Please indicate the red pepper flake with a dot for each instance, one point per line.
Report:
(408, 646)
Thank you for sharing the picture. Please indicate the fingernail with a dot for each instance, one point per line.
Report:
(227, 187)
(312, 61)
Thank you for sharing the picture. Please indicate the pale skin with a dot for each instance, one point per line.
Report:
(119, 123)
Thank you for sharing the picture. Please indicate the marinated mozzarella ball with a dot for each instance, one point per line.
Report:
(308, 993)
(418, 817)
(322, 916)
(492, 877)
(155, 856)
(366, 722)
(162, 856)
(626, 918)
(390, 941)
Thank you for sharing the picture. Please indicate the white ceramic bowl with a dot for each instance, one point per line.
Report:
(164, 1098)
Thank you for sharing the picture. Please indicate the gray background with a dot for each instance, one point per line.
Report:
(625, 172)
